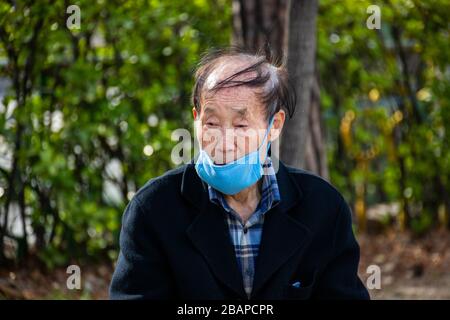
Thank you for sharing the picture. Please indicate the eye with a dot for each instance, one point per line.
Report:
(211, 124)
(241, 126)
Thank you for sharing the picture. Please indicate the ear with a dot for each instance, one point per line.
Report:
(194, 113)
(277, 126)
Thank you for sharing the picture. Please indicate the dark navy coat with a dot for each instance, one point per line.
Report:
(175, 243)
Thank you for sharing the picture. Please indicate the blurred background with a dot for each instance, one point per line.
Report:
(92, 91)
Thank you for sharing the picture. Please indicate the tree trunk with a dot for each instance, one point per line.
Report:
(301, 66)
(258, 21)
(315, 153)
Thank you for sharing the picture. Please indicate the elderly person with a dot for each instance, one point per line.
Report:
(229, 225)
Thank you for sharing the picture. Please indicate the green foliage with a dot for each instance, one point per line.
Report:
(401, 68)
(91, 97)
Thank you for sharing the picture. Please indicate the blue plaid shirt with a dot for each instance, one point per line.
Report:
(247, 237)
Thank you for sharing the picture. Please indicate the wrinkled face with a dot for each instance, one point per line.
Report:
(232, 123)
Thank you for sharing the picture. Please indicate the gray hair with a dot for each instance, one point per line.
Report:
(271, 77)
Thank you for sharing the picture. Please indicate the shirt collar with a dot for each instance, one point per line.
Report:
(270, 194)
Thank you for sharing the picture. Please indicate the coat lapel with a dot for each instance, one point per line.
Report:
(209, 233)
(283, 236)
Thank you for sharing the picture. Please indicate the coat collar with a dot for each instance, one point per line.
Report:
(283, 235)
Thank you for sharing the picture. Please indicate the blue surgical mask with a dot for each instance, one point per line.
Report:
(235, 176)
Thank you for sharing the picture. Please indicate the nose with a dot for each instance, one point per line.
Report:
(228, 138)
(224, 150)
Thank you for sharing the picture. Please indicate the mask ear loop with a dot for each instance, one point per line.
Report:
(265, 136)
